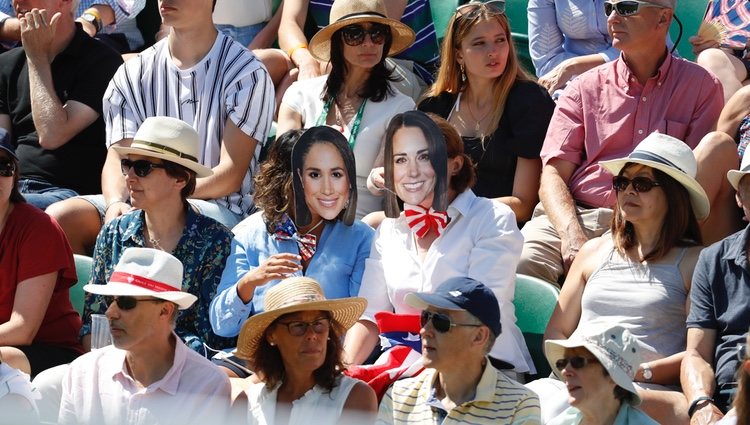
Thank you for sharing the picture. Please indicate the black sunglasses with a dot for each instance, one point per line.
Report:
(441, 322)
(640, 184)
(7, 168)
(141, 167)
(576, 362)
(126, 302)
(354, 35)
(627, 7)
(299, 328)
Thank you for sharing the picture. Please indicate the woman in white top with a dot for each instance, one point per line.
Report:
(357, 96)
(445, 231)
(295, 349)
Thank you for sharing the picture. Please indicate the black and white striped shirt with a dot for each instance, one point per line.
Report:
(229, 83)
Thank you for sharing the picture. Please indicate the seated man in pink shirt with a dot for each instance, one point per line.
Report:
(603, 114)
(148, 375)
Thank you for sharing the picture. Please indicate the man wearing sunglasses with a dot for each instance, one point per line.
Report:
(460, 322)
(603, 114)
(51, 102)
(148, 375)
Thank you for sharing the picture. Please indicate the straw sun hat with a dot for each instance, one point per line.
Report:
(672, 157)
(170, 139)
(290, 296)
(348, 12)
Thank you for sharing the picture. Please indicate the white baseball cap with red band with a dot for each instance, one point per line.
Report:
(146, 272)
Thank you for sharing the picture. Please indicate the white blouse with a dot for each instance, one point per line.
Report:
(482, 241)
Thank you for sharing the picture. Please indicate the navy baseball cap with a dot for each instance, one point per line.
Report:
(5, 143)
(462, 293)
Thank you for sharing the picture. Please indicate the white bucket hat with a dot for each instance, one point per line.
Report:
(170, 139)
(618, 351)
(146, 272)
(674, 158)
(734, 176)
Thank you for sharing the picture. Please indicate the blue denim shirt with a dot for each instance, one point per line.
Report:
(337, 265)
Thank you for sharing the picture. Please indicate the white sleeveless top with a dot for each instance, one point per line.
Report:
(315, 406)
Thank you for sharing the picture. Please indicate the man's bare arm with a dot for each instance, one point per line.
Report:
(237, 151)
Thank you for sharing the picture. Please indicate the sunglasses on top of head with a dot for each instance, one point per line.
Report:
(577, 362)
(141, 167)
(354, 34)
(473, 9)
(640, 184)
(441, 322)
(7, 168)
(627, 7)
(126, 302)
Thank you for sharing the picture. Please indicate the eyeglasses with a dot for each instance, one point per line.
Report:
(7, 168)
(473, 9)
(627, 7)
(299, 328)
(640, 184)
(127, 302)
(441, 322)
(354, 35)
(577, 362)
(141, 167)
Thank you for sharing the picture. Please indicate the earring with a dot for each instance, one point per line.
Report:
(463, 72)
(272, 344)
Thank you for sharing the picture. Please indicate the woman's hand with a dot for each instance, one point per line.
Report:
(277, 266)
(700, 44)
(376, 181)
(558, 77)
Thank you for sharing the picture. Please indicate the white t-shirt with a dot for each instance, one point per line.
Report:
(305, 98)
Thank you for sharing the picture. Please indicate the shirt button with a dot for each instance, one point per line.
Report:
(643, 98)
(640, 131)
(659, 84)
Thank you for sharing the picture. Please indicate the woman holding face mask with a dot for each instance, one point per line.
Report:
(358, 96)
(306, 228)
(444, 231)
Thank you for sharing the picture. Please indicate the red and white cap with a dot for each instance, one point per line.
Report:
(146, 272)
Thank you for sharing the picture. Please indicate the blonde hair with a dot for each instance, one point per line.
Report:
(449, 74)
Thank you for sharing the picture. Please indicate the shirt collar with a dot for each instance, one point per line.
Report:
(77, 45)
(462, 204)
(737, 251)
(627, 75)
(485, 390)
(134, 225)
(171, 380)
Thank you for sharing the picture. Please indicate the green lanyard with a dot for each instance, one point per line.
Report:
(355, 126)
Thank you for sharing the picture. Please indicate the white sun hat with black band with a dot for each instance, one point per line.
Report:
(170, 139)
(348, 12)
(672, 157)
(146, 272)
(734, 176)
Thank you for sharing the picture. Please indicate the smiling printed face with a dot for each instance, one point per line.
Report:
(325, 181)
(413, 175)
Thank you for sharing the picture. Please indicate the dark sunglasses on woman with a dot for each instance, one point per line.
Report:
(577, 362)
(354, 34)
(7, 168)
(141, 167)
(441, 322)
(126, 302)
(627, 7)
(640, 184)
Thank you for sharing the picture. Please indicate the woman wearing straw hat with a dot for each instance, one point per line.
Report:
(357, 97)
(295, 346)
(500, 113)
(639, 275)
(38, 325)
(597, 367)
(160, 168)
(307, 227)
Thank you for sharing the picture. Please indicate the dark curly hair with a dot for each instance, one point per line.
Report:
(269, 365)
(273, 184)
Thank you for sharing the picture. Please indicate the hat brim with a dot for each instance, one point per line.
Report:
(403, 36)
(421, 301)
(183, 299)
(200, 169)
(344, 311)
(555, 350)
(698, 198)
(734, 177)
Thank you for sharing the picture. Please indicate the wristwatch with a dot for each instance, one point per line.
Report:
(93, 19)
(648, 375)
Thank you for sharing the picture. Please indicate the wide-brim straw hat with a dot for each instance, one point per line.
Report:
(674, 158)
(146, 272)
(348, 12)
(292, 295)
(618, 351)
(734, 176)
(170, 139)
